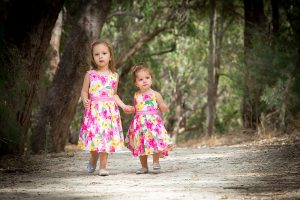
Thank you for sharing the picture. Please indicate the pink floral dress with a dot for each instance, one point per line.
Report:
(147, 134)
(101, 129)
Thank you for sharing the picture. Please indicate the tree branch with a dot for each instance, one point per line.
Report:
(172, 48)
(125, 13)
(138, 44)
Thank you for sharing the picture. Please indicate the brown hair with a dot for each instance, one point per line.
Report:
(140, 67)
(111, 64)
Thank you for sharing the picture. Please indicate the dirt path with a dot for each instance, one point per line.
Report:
(234, 172)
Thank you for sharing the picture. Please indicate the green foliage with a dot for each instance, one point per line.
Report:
(228, 113)
(9, 131)
(294, 104)
(178, 59)
(271, 97)
(271, 67)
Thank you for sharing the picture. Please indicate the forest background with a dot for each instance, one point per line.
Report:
(225, 68)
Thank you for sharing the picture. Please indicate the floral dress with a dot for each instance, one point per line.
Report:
(147, 134)
(101, 129)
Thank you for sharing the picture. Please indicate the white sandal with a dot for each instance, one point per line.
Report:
(103, 172)
(142, 171)
(156, 166)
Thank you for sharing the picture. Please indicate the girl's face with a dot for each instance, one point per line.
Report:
(101, 55)
(143, 80)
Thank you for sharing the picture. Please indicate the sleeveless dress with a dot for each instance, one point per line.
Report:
(101, 128)
(147, 134)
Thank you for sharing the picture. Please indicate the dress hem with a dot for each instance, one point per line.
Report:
(116, 150)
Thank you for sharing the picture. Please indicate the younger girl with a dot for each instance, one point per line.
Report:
(147, 134)
(101, 130)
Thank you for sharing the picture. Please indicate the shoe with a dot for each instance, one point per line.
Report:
(142, 171)
(90, 168)
(156, 166)
(103, 172)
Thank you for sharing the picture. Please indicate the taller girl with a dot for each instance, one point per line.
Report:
(101, 130)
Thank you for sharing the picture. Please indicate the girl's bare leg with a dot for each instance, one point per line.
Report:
(103, 159)
(144, 163)
(143, 160)
(103, 162)
(156, 165)
(156, 158)
(93, 162)
(94, 158)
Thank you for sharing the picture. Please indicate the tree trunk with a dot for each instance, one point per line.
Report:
(255, 26)
(211, 97)
(178, 112)
(26, 36)
(275, 17)
(60, 103)
(55, 44)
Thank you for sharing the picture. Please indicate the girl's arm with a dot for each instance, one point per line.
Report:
(163, 107)
(127, 109)
(85, 91)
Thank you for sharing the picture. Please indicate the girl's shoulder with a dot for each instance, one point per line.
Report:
(115, 74)
(91, 71)
(136, 94)
(154, 93)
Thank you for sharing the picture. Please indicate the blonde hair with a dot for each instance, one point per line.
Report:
(140, 67)
(111, 64)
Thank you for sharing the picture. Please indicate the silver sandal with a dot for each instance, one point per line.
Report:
(90, 168)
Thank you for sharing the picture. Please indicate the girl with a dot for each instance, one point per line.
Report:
(101, 130)
(147, 134)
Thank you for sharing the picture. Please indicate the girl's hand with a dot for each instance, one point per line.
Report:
(127, 113)
(86, 103)
(128, 109)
